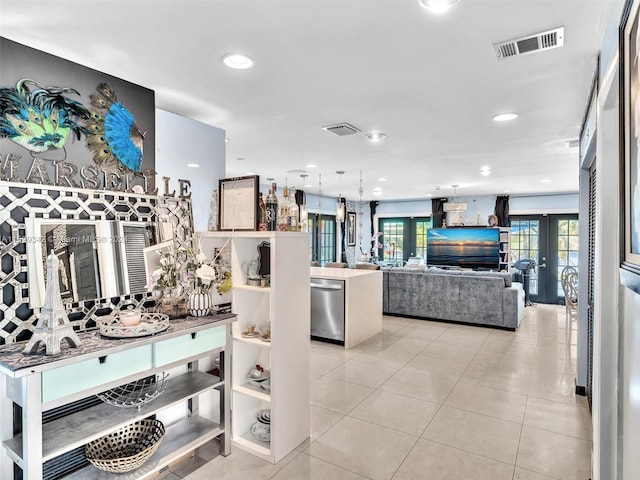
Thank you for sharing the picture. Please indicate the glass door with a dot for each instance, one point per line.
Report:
(403, 238)
(550, 240)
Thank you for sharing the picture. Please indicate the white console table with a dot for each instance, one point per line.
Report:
(38, 383)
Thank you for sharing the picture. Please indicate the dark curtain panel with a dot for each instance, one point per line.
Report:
(502, 210)
(373, 205)
(437, 212)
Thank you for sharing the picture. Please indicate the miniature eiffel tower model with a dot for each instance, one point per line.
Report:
(53, 324)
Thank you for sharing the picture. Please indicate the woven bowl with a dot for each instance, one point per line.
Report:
(126, 449)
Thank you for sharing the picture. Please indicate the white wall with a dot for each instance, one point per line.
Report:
(181, 140)
(485, 206)
(616, 395)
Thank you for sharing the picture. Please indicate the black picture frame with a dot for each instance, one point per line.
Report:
(238, 203)
(630, 145)
(351, 229)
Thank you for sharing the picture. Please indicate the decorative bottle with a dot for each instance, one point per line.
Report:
(271, 211)
(283, 211)
(294, 211)
(262, 219)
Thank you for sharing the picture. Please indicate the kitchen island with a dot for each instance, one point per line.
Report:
(346, 305)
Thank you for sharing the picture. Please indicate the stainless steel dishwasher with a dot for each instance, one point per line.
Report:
(327, 310)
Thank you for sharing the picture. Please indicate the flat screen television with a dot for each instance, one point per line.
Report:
(476, 248)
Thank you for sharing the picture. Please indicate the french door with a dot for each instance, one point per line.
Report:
(402, 238)
(550, 240)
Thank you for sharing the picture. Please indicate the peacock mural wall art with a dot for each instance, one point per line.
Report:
(71, 120)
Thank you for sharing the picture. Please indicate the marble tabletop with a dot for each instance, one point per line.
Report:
(12, 359)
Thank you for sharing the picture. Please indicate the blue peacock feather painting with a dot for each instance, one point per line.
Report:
(40, 118)
(114, 134)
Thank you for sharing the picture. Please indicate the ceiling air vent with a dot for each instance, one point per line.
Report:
(533, 43)
(341, 129)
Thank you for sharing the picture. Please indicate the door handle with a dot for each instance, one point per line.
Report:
(326, 287)
(542, 265)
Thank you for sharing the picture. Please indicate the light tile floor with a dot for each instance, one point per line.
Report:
(436, 401)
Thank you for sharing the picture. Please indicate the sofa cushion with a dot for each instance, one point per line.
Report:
(480, 300)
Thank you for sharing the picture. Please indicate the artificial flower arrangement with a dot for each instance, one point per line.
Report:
(166, 276)
(204, 274)
(189, 270)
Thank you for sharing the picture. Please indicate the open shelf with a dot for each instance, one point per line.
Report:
(248, 442)
(250, 288)
(252, 391)
(77, 429)
(178, 440)
(252, 341)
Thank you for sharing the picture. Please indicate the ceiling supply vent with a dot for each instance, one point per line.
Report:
(341, 129)
(533, 43)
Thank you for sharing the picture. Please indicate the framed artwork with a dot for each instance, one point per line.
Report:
(630, 148)
(238, 204)
(351, 229)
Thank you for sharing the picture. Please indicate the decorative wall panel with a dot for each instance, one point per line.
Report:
(19, 202)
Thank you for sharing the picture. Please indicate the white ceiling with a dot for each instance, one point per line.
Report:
(431, 83)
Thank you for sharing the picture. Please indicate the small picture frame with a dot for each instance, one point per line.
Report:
(351, 229)
(238, 203)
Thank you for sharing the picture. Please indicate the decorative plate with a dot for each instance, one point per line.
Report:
(150, 324)
(247, 334)
(261, 431)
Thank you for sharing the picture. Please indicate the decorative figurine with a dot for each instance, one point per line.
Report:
(53, 324)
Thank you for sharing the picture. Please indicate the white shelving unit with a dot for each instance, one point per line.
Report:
(284, 305)
(505, 249)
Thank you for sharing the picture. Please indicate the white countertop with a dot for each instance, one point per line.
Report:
(340, 273)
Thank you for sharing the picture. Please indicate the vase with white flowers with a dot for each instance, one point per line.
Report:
(167, 282)
(205, 275)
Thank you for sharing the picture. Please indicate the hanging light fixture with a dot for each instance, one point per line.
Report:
(360, 213)
(340, 206)
(304, 210)
(455, 206)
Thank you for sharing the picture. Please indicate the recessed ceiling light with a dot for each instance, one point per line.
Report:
(375, 136)
(382, 179)
(437, 6)
(546, 180)
(505, 117)
(485, 171)
(377, 192)
(226, 139)
(193, 165)
(308, 185)
(429, 195)
(310, 165)
(237, 61)
(250, 173)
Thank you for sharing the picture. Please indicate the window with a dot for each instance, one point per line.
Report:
(402, 238)
(568, 240)
(323, 238)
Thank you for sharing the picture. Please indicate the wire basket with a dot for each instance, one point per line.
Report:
(126, 449)
(137, 393)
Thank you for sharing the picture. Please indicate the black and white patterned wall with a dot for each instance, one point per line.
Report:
(20, 202)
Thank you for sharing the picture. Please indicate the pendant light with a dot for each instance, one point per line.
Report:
(360, 212)
(340, 214)
(304, 210)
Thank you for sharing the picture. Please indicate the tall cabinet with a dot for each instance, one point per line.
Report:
(283, 306)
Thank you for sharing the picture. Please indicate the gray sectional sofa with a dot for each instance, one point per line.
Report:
(481, 298)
